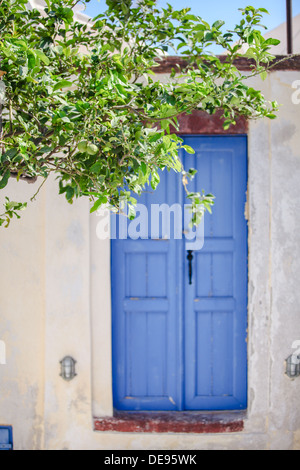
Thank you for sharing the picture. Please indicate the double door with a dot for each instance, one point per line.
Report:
(179, 309)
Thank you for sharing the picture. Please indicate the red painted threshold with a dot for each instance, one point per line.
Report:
(172, 422)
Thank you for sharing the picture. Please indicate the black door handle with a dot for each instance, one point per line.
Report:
(190, 260)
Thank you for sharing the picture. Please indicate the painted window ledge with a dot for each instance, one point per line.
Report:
(173, 422)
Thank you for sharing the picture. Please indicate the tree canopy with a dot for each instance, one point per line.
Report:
(82, 101)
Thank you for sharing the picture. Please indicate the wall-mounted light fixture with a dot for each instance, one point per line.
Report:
(293, 366)
(68, 368)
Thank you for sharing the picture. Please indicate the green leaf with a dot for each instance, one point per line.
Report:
(11, 153)
(272, 42)
(264, 75)
(98, 203)
(144, 168)
(4, 179)
(155, 138)
(70, 192)
(62, 84)
(31, 61)
(251, 52)
(67, 14)
(96, 168)
(58, 49)
(155, 179)
(191, 18)
(192, 172)
(131, 212)
(42, 56)
(218, 24)
(188, 149)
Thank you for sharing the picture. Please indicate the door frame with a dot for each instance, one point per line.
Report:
(183, 273)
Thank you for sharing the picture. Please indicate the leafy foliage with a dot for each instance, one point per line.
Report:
(82, 100)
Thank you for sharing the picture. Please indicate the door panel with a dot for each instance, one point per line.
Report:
(147, 311)
(178, 346)
(215, 314)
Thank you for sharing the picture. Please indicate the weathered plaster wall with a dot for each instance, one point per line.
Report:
(274, 169)
(55, 301)
(22, 322)
(284, 263)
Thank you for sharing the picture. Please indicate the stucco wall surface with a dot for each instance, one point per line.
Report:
(55, 301)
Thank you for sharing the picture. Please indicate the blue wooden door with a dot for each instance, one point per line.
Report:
(215, 313)
(179, 345)
(147, 308)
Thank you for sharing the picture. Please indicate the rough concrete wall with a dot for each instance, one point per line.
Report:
(284, 422)
(274, 245)
(55, 301)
